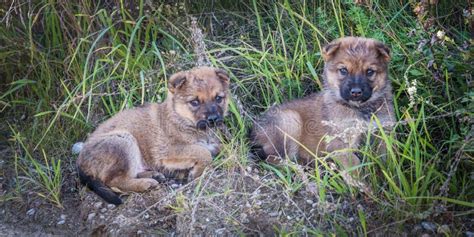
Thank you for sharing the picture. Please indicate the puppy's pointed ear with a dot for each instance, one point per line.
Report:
(384, 51)
(330, 49)
(223, 76)
(177, 81)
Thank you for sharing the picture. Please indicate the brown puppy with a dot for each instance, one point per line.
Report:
(356, 87)
(129, 149)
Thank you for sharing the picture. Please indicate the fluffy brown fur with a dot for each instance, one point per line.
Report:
(356, 86)
(128, 150)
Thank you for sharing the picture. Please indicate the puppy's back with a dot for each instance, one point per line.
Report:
(279, 130)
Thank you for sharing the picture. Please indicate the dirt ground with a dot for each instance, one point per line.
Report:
(223, 202)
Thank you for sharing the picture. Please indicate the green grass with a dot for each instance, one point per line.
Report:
(68, 66)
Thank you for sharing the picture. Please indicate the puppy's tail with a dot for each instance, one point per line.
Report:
(99, 188)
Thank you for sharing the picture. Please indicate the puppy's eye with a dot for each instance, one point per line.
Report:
(370, 72)
(194, 103)
(343, 71)
(218, 99)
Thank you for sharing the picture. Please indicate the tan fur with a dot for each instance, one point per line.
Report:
(127, 150)
(325, 122)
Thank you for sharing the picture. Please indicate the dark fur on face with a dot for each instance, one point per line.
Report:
(356, 69)
(200, 96)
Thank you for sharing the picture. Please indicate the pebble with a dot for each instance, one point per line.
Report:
(98, 205)
(146, 216)
(174, 185)
(273, 214)
(103, 210)
(102, 217)
(111, 206)
(77, 147)
(428, 226)
(139, 232)
(62, 219)
(31, 212)
(91, 216)
(309, 201)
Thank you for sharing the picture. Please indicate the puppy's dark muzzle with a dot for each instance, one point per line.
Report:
(212, 121)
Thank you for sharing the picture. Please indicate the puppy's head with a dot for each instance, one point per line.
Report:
(356, 69)
(200, 95)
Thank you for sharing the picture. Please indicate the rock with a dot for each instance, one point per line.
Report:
(174, 185)
(62, 219)
(97, 205)
(31, 212)
(77, 147)
(103, 210)
(309, 201)
(111, 206)
(273, 214)
(430, 226)
(244, 218)
(91, 216)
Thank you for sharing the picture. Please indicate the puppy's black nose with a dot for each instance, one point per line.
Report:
(214, 119)
(356, 92)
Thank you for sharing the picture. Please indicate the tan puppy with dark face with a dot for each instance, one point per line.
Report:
(356, 86)
(129, 149)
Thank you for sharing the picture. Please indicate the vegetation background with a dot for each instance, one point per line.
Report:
(65, 66)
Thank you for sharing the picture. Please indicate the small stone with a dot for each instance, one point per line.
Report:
(309, 201)
(289, 217)
(91, 216)
(244, 218)
(31, 212)
(103, 210)
(77, 147)
(273, 214)
(139, 232)
(146, 216)
(62, 217)
(97, 205)
(428, 226)
(111, 206)
(174, 185)
(61, 222)
(207, 220)
(102, 217)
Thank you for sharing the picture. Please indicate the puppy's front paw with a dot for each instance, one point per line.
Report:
(159, 177)
(148, 183)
